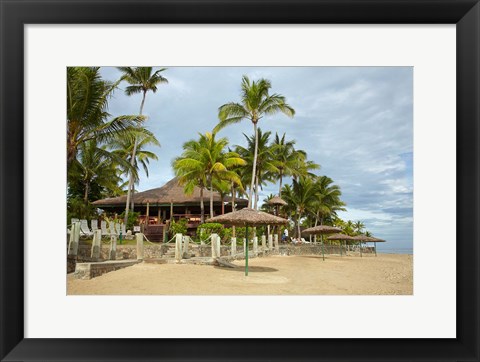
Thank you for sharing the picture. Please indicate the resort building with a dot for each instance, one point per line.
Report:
(160, 205)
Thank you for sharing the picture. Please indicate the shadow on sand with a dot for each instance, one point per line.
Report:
(251, 269)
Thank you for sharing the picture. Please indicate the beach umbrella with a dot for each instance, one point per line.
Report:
(321, 230)
(248, 217)
(277, 201)
(341, 237)
(369, 239)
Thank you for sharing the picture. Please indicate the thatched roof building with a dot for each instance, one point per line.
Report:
(172, 191)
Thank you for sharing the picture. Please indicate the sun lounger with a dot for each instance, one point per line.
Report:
(94, 225)
(84, 230)
(105, 231)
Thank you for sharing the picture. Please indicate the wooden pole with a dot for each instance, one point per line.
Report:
(171, 210)
(375, 247)
(159, 217)
(323, 253)
(148, 213)
(246, 251)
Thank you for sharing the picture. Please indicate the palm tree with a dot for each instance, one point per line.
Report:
(141, 80)
(255, 103)
(265, 163)
(300, 198)
(93, 174)
(284, 158)
(358, 227)
(124, 146)
(204, 162)
(87, 116)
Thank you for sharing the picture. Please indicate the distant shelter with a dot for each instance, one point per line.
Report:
(160, 205)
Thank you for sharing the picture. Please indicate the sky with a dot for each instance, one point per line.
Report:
(356, 122)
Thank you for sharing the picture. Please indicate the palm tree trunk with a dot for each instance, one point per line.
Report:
(280, 188)
(87, 190)
(254, 169)
(233, 207)
(211, 197)
(316, 223)
(223, 204)
(202, 206)
(133, 194)
(299, 236)
(132, 163)
(256, 190)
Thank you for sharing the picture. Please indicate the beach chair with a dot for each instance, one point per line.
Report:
(84, 230)
(111, 225)
(94, 225)
(305, 241)
(103, 227)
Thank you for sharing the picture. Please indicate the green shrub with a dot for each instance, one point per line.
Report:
(132, 219)
(178, 227)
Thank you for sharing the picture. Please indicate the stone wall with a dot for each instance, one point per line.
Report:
(92, 270)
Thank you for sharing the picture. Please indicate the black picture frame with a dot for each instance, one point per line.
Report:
(15, 14)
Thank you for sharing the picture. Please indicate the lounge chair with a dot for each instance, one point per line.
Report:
(84, 230)
(103, 227)
(111, 225)
(118, 230)
(305, 241)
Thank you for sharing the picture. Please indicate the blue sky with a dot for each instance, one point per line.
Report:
(356, 122)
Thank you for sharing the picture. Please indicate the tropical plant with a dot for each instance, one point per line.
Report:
(265, 163)
(123, 148)
(255, 103)
(87, 116)
(204, 162)
(300, 197)
(285, 158)
(142, 80)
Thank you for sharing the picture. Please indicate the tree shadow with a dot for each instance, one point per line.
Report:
(251, 269)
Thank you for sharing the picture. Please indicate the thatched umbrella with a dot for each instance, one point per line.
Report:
(277, 201)
(341, 237)
(322, 229)
(368, 239)
(248, 217)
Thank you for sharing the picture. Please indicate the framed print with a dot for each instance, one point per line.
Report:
(335, 64)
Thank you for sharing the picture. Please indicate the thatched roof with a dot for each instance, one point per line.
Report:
(368, 239)
(340, 237)
(172, 191)
(322, 229)
(248, 217)
(277, 201)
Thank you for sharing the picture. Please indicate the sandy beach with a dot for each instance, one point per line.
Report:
(387, 274)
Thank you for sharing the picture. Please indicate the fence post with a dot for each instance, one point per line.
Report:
(234, 246)
(139, 237)
(264, 246)
(275, 239)
(270, 242)
(186, 241)
(74, 239)
(255, 245)
(219, 252)
(96, 244)
(113, 247)
(215, 239)
(178, 247)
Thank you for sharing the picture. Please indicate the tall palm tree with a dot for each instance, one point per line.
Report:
(358, 227)
(265, 163)
(87, 116)
(204, 162)
(124, 146)
(255, 103)
(285, 157)
(92, 172)
(300, 197)
(141, 80)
